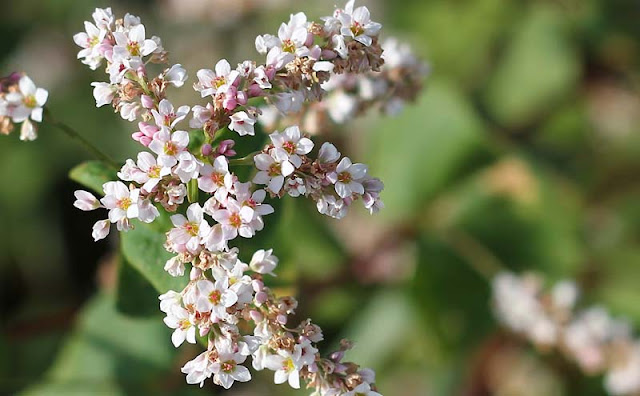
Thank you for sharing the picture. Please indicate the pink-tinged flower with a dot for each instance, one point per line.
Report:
(348, 178)
(167, 116)
(199, 369)
(215, 297)
(358, 24)
(216, 179)
(292, 143)
(201, 115)
(146, 172)
(168, 300)
(176, 75)
(27, 103)
(89, 42)
(120, 201)
(168, 146)
(263, 262)
(227, 367)
(212, 83)
(134, 43)
(235, 219)
(145, 135)
(293, 35)
(272, 170)
(253, 200)
(371, 197)
(189, 230)
(130, 110)
(328, 153)
(242, 123)
(178, 318)
(225, 148)
(86, 201)
(100, 230)
(287, 367)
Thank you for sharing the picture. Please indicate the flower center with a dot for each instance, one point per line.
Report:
(170, 148)
(124, 203)
(219, 81)
(215, 297)
(154, 172)
(134, 48)
(192, 229)
(217, 178)
(93, 41)
(30, 101)
(228, 366)
(288, 46)
(357, 29)
(289, 147)
(275, 169)
(344, 177)
(235, 220)
(288, 366)
(185, 324)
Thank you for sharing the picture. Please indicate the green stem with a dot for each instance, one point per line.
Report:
(246, 160)
(73, 134)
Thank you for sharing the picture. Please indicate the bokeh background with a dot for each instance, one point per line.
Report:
(523, 152)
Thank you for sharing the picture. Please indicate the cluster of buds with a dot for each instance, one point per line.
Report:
(591, 337)
(193, 178)
(21, 102)
(348, 95)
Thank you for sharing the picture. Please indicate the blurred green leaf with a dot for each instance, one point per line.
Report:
(538, 71)
(143, 248)
(135, 296)
(93, 174)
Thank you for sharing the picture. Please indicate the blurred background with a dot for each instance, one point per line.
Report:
(523, 152)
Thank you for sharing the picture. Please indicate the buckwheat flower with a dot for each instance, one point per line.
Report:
(174, 266)
(215, 297)
(272, 171)
(253, 200)
(228, 367)
(348, 178)
(201, 115)
(168, 300)
(100, 230)
(103, 93)
(371, 197)
(89, 41)
(328, 153)
(152, 173)
(167, 116)
(216, 178)
(358, 24)
(293, 35)
(28, 131)
(295, 187)
(287, 367)
(292, 143)
(364, 389)
(103, 18)
(86, 201)
(176, 75)
(263, 262)
(199, 369)
(168, 146)
(130, 110)
(212, 83)
(178, 318)
(120, 201)
(189, 230)
(265, 42)
(27, 102)
(133, 42)
(242, 123)
(235, 219)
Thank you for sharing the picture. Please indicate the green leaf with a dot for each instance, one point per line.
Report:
(143, 248)
(135, 296)
(93, 174)
(539, 69)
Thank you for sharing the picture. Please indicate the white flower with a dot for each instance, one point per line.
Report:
(263, 261)
(292, 143)
(178, 319)
(189, 230)
(168, 146)
(100, 230)
(166, 116)
(120, 201)
(328, 153)
(89, 41)
(199, 369)
(212, 83)
(176, 75)
(86, 201)
(188, 167)
(215, 297)
(216, 179)
(28, 131)
(348, 178)
(242, 123)
(133, 42)
(357, 24)
(235, 219)
(103, 93)
(287, 367)
(174, 266)
(168, 300)
(293, 35)
(27, 103)
(103, 17)
(272, 170)
(228, 368)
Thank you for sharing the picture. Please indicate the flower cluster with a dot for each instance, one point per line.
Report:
(351, 94)
(193, 178)
(591, 337)
(21, 102)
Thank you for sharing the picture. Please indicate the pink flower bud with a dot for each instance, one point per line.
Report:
(206, 149)
(242, 97)
(337, 356)
(255, 91)
(258, 285)
(261, 298)
(256, 316)
(147, 101)
(282, 319)
(271, 72)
